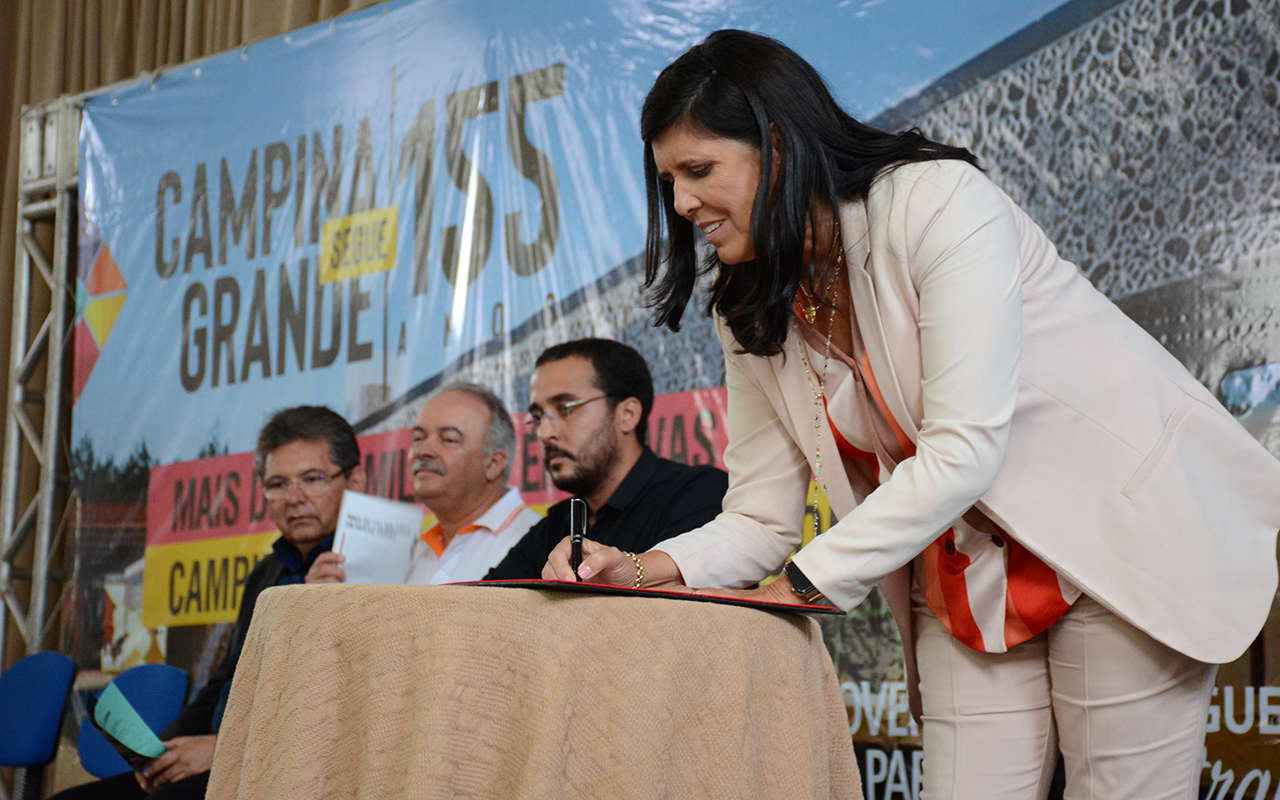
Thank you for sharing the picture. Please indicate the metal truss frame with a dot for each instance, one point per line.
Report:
(35, 500)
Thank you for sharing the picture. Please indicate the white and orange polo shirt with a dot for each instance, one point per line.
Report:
(476, 549)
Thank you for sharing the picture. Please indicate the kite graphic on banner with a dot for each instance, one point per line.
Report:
(99, 297)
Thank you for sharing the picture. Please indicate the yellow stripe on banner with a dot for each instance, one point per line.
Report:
(360, 244)
(201, 582)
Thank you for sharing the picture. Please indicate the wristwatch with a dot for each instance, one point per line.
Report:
(802, 585)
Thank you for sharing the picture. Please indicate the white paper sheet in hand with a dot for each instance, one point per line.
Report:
(376, 535)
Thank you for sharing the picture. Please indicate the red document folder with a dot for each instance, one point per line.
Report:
(703, 595)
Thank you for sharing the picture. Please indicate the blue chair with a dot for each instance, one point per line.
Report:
(33, 693)
(156, 691)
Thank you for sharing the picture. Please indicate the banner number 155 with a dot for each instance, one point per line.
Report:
(472, 241)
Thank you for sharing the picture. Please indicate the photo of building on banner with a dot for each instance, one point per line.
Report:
(360, 212)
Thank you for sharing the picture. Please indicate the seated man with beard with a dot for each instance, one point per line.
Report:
(589, 403)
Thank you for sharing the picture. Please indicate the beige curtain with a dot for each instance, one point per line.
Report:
(53, 47)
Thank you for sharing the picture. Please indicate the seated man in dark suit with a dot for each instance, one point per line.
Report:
(306, 457)
(589, 403)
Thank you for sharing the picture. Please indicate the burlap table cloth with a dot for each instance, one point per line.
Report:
(492, 692)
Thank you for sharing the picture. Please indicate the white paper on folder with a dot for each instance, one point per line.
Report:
(376, 535)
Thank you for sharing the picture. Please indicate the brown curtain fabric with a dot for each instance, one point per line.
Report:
(53, 47)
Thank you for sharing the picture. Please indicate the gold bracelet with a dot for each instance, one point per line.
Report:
(635, 559)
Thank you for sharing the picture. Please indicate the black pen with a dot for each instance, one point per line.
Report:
(577, 530)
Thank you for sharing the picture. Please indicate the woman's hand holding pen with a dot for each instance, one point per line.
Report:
(600, 564)
(611, 566)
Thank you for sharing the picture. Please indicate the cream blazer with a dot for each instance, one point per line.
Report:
(1027, 394)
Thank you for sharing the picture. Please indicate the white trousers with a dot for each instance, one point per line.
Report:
(1127, 712)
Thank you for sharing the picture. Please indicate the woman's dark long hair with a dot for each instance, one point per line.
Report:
(748, 87)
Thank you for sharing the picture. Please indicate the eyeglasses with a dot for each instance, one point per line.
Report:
(311, 484)
(557, 412)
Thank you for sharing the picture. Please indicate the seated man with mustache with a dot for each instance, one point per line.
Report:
(589, 403)
(463, 446)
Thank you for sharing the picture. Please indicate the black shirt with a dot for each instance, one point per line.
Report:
(282, 567)
(295, 564)
(657, 500)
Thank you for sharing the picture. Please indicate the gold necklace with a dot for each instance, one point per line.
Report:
(807, 300)
(810, 305)
(819, 391)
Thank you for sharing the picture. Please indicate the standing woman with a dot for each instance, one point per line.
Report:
(1069, 529)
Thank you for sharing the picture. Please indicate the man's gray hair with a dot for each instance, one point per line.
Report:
(500, 434)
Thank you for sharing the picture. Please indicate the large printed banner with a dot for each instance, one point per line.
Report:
(342, 213)
(428, 190)
(347, 213)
